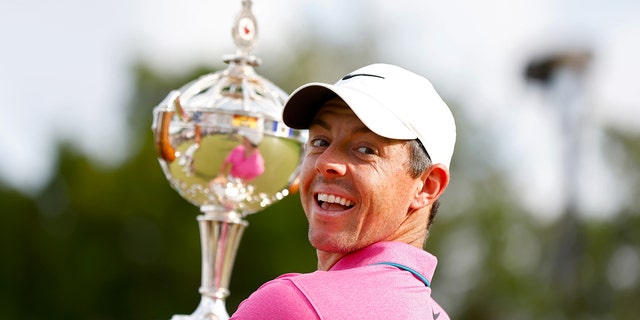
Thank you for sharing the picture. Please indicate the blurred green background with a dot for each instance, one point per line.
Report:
(118, 243)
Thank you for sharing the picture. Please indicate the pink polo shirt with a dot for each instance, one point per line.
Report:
(354, 288)
(245, 168)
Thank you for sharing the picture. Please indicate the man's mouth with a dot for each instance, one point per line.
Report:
(332, 202)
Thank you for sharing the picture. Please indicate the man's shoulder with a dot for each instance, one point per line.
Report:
(333, 277)
(351, 293)
(278, 297)
(365, 292)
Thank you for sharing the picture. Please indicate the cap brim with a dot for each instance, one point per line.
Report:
(304, 103)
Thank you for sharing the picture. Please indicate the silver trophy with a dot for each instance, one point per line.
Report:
(222, 145)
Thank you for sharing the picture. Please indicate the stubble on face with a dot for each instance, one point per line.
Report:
(378, 183)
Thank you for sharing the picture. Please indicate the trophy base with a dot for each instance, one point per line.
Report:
(208, 309)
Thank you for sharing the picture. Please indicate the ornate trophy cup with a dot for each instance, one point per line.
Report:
(222, 145)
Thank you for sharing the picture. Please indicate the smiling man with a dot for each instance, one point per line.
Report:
(377, 160)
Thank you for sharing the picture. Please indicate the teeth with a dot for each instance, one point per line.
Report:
(330, 198)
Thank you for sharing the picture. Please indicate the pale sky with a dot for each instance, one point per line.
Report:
(65, 72)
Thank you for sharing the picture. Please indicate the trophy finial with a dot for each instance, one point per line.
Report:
(245, 29)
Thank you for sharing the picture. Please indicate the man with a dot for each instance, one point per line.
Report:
(244, 161)
(376, 162)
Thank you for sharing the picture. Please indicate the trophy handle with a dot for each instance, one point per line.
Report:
(164, 148)
(163, 144)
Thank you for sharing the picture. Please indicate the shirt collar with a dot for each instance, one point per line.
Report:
(398, 252)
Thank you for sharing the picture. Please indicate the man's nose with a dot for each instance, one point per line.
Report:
(332, 162)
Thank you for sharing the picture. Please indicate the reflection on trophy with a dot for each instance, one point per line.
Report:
(222, 145)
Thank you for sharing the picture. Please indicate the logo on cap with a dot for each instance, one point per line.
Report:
(349, 76)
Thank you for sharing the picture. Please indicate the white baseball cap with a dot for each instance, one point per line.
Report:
(392, 102)
(253, 136)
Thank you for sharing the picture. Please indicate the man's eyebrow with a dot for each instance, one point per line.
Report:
(323, 124)
(320, 123)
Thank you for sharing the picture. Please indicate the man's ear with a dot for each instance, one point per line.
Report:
(434, 181)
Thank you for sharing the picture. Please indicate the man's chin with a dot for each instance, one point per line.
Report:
(330, 244)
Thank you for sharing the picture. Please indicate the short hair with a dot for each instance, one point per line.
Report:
(419, 162)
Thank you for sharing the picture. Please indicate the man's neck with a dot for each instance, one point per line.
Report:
(326, 260)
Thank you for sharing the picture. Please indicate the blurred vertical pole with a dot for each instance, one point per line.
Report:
(562, 75)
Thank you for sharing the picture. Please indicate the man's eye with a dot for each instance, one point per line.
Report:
(319, 143)
(365, 150)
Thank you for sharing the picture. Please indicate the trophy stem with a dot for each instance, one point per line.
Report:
(220, 235)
